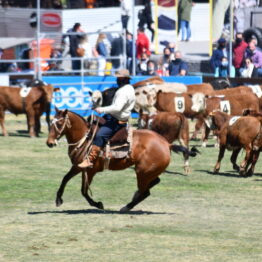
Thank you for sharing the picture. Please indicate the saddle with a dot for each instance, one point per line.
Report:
(119, 146)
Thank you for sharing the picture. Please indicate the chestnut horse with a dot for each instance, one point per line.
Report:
(150, 153)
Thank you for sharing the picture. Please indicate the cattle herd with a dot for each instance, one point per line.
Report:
(233, 114)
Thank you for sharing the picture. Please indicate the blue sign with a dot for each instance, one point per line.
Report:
(75, 96)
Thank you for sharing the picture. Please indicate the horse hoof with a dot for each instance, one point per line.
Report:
(59, 202)
(100, 205)
(242, 173)
(236, 167)
(216, 170)
(124, 209)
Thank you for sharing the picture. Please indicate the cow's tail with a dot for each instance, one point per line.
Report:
(181, 149)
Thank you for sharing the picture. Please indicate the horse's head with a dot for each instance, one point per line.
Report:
(58, 127)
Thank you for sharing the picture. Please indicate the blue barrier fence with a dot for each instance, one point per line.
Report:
(74, 95)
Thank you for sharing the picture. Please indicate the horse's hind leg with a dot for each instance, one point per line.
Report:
(140, 195)
(72, 172)
(86, 181)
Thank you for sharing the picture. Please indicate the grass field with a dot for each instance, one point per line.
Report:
(199, 217)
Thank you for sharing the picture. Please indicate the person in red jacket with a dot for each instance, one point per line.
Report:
(239, 49)
(142, 43)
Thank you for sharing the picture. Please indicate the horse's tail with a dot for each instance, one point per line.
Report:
(177, 149)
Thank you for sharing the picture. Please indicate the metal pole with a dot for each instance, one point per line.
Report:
(230, 38)
(39, 75)
(134, 41)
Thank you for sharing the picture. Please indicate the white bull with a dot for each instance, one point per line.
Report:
(146, 95)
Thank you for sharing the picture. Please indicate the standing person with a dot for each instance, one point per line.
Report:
(102, 53)
(74, 40)
(129, 51)
(184, 16)
(177, 66)
(116, 50)
(126, 6)
(87, 54)
(145, 18)
(218, 54)
(142, 43)
(116, 116)
(239, 48)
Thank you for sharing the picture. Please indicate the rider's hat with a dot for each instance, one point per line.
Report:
(122, 73)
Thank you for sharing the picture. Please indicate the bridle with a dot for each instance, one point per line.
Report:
(66, 123)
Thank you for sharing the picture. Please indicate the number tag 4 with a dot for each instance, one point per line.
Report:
(180, 104)
(225, 107)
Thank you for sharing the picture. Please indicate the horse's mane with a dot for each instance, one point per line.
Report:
(78, 116)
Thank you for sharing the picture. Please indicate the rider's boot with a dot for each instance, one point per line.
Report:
(89, 161)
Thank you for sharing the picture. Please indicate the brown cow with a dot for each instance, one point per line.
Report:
(172, 126)
(156, 80)
(171, 102)
(231, 104)
(34, 102)
(203, 88)
(237, 133)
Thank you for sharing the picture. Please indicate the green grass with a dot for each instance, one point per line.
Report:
(199, 217)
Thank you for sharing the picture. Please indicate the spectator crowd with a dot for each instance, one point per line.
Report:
(109, 54)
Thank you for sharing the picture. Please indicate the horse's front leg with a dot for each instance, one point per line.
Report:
(87, 177)
(72, 172)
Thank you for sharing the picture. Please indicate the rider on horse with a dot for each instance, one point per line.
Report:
(116, 116)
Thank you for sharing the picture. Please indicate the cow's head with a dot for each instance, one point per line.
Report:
(96, 98)
(145, 99)
(198, 102)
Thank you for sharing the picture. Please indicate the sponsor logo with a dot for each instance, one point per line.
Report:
(51, 19)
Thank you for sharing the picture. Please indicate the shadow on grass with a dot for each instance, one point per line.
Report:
(174, 173)
(227, 173)
(99, 211)
(18, 133)
(166, 171)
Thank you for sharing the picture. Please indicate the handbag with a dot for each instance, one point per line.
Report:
(80, 51)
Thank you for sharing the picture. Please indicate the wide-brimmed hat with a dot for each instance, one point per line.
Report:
(122, 73)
